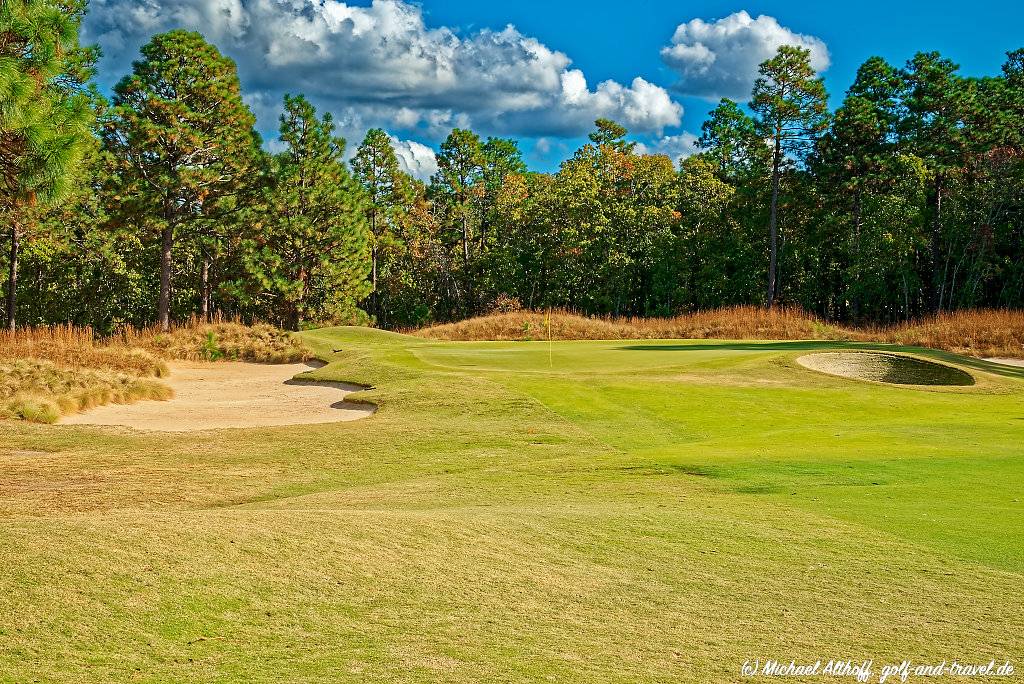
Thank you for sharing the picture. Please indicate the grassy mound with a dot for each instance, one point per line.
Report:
(984, 333)
(221, 341)
(41, 391)
(736, 323)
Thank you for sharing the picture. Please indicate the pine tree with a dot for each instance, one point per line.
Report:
(853, 158)
(183, 139)
(454, 186)
(936, 102)
(309, 252)
(731, 140)
(792, 110)
(390, 194)
(44, 114)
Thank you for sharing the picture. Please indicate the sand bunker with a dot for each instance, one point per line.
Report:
(211, 396)
(1007, 362)
(890, 368)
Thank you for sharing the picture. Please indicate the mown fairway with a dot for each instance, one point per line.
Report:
(593, 512)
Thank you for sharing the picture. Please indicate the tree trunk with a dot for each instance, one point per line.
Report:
(773, 225)
(936, 246)
(163, 311)
(373, 263)
(12, 279)
(291, 319)
(857, 221)
(294, 315)
(465, 238)
(470, 307)
(373, 280)
(204, 289)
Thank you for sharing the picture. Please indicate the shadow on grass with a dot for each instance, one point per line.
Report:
(999, 369)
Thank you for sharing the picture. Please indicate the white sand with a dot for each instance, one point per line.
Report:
(1008, 362)
(209, 396)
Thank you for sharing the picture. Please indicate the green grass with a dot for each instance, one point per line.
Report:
(592, 512)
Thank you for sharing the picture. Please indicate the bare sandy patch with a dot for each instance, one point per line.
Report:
(211, 396)
(1007, 362)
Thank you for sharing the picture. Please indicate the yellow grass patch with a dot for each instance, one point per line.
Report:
(985, 333)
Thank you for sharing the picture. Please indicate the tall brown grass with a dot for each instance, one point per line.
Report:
(986, 333)
(72, 347)
(741, 322)
(42, 391)
(982, 332)
(197, 341)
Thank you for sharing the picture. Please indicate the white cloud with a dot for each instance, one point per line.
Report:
(416, 159)
(383, 66)
(674, 146)
(720, 58)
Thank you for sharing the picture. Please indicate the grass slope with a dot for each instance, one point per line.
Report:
(596, 511)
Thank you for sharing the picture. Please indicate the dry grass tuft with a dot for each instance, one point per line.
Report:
(72, 347)
(736, 323)
(220, 341)
(41, 391)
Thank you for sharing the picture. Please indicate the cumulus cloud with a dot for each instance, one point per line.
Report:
(720, 58)
(382, 65)
(416, 159)
(674, 146)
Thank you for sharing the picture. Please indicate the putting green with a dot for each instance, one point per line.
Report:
(520, 512)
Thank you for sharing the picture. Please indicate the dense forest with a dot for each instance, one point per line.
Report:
(161, 202)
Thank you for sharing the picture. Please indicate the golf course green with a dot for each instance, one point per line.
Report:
(523, 511)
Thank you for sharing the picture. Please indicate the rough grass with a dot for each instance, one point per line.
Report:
(219, 342)
(985, 333)
(40, 391)
(614, 512)
(77, 348)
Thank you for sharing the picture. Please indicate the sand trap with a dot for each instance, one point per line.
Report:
(1008, 362)
(892, 369)
(210, 396)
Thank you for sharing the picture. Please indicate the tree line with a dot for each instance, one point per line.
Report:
(161, 203)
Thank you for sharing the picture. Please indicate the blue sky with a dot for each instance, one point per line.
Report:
(417, 69)
(609, 42)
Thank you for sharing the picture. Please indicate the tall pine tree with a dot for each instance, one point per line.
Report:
(390, 194)
(183, 140)
(309, 253)
(791, 107)
(44, 114)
